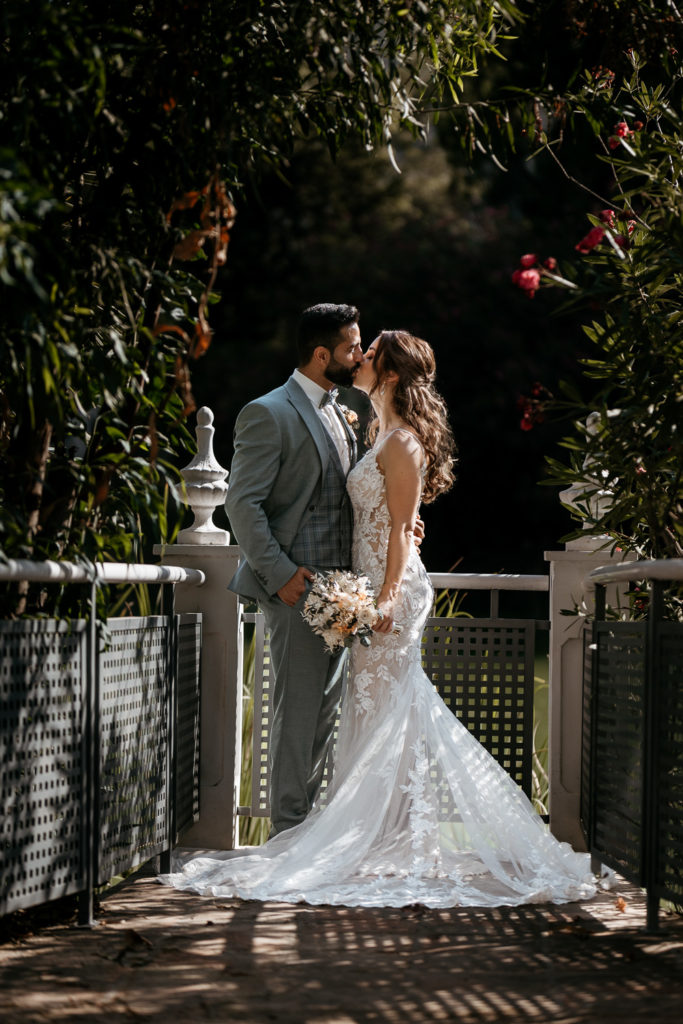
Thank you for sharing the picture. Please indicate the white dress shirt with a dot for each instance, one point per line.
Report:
(330, 418)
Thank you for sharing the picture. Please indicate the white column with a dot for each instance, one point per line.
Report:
(569, 606)
(568, 570)
(204, 546)
(221, 689)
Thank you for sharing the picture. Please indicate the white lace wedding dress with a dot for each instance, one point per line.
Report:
(418, 811)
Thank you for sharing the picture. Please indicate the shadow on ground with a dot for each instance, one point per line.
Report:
(162, 955)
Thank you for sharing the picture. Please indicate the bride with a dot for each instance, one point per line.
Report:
(417, 810)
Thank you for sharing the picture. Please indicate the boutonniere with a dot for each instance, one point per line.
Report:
(350, 416)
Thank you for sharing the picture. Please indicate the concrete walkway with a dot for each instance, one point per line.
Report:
(161, 955)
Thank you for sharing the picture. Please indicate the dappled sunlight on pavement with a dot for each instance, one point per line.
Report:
(159, 954)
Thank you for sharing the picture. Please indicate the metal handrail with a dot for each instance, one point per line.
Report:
(105, 572)
(489, 581)
(653, 569)
(92, 575)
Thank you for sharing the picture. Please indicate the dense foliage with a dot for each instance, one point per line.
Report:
(625, 276)
(129, 133)
(633, 278)
(610, 125)
(435, 248)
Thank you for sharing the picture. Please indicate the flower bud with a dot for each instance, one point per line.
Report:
(527, 280)
(622, 130)
(589, 241)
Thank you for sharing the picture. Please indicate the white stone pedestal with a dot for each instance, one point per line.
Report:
(221, 688)
(568, 570)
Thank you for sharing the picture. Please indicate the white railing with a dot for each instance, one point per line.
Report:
(106, 572)
(492, 582)
(659, 569)
(488, 581)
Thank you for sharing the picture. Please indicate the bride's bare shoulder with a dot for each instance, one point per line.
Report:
(401, 446)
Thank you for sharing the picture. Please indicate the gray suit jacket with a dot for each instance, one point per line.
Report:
(281, 455)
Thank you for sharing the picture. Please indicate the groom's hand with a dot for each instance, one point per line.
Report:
(418, 532)
(295, 587)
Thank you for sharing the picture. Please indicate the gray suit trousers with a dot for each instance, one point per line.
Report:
(306, 693)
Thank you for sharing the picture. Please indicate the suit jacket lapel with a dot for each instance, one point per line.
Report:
(303, 406)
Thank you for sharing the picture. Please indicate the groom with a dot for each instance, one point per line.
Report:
(291, 515)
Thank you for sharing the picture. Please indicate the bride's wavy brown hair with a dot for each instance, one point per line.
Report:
(417, 401)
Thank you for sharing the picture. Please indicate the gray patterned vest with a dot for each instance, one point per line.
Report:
(324, 541)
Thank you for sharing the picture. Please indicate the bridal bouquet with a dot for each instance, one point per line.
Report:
(340, 606)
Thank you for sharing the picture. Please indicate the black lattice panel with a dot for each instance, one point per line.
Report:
(134, 708)
(670, 767)
(41, 761)
(618, 710)
(484, 671)
(188, 654)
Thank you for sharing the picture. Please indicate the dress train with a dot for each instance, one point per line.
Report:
(417, 811)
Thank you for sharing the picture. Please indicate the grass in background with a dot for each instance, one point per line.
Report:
(539, 763)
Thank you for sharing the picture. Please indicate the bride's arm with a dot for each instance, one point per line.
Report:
(400, 460)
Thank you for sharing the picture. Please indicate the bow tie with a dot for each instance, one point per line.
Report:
(329, 398)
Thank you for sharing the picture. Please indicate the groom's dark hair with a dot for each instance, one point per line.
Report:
(320, 325)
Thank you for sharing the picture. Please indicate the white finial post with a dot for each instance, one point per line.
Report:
(203, 546)
(206, 488)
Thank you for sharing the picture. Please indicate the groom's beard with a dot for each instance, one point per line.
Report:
(341, 375)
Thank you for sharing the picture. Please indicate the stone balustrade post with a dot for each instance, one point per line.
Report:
(569, 606)
(204, 546)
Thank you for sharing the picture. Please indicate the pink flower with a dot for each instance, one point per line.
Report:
(607, 217)
(621, 131)
(550, 263)
(529, 260)
(527, 280)
(589, 241)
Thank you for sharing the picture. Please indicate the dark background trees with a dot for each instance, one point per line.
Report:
(130, 132)
(427, 250)
(520, 166)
